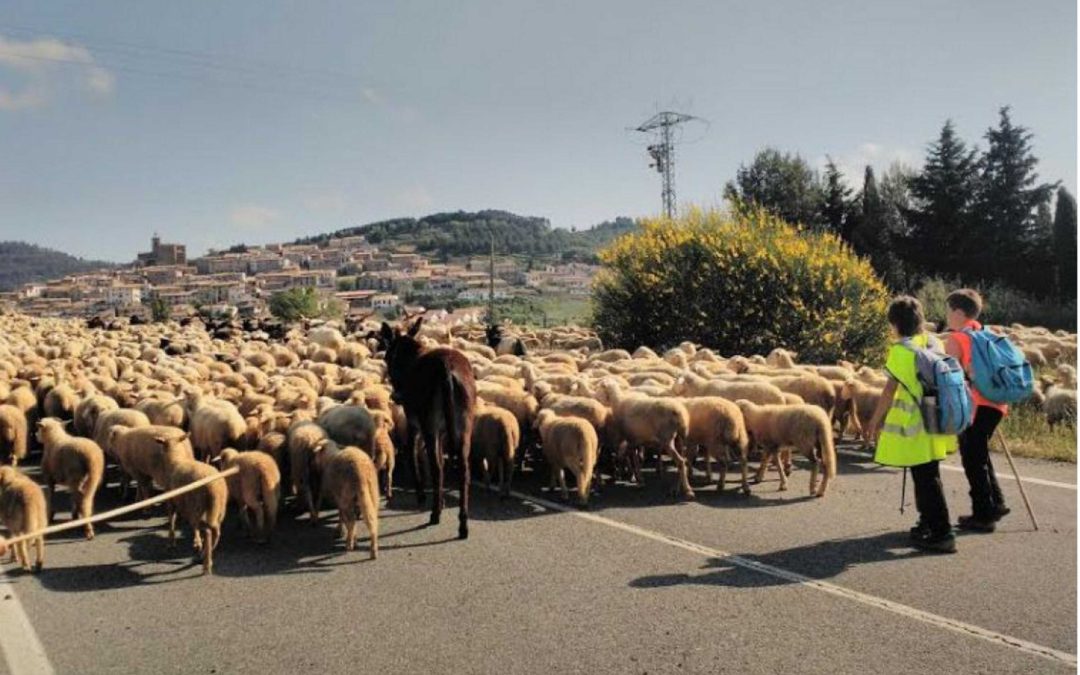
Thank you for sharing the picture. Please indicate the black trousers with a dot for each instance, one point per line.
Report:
(930, 497)
(985, 492)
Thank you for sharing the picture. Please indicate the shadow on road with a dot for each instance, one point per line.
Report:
(821, 560)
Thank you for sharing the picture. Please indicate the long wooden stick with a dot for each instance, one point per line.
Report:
(107, 515)
(1019, 483)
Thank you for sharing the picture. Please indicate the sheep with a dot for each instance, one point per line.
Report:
(793, 399)
(1060, 406)
(781, 358)
(804, 427)
(215, 425)
(349, 425)
(855, 406)
(349, 479)
(495, 438)
(60, 402)
(762, 393)
(274, 444)
(658, 423)
(383, 452)
(255, 489)
(138, 451)
(23, 398)
(811, 388)
(23, 510)
(716, 424)
(203, 509)
(112, 418)
(164, 412)
(89, 410)
(13, 434)
(569, 443)
(305, 440)
(77, 463)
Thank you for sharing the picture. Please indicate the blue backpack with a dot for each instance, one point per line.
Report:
(998, 369)
(946, 405)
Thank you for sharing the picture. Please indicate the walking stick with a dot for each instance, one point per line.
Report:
(903, 490)
(1019, 483)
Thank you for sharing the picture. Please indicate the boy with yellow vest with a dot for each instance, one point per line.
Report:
(901, 436)
(987, 502)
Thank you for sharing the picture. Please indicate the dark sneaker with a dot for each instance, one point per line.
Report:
(976, 524)
(936, 543)
(920, 531)
(1000, 511)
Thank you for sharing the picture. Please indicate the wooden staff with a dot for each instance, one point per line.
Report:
(107, 515)
(1019, 483)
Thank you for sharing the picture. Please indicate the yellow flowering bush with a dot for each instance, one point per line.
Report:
(741, 283)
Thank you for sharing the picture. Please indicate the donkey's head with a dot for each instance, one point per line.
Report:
(402, 350)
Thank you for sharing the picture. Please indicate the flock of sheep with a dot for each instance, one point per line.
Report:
(310, 414)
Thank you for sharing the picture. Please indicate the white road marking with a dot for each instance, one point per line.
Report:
(1000, 474)
(832, 589)
(18, 641)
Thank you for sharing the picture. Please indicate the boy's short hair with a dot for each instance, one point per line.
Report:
(906, 315)
(967, 300)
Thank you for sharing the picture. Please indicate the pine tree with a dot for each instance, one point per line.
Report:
(781, 183)
(940, 223)
(1039, 253)
(1009, 194)
(836, 211)
(872, 236)
(1065, 244)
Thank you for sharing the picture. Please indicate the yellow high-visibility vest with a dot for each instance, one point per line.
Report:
(903, 440)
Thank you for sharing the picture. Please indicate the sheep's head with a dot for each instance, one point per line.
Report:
(228, 457)
(8, 475)
(48, 427)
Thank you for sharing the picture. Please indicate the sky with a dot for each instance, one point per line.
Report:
(260, 121)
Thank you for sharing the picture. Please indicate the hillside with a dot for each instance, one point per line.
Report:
(455, 234)
(22, 263)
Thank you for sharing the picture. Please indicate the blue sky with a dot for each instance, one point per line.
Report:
(215, 123)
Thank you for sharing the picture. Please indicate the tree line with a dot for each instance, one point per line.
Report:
(981, 216)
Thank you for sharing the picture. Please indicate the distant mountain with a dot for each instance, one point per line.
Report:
(22, 263)
(462, 233)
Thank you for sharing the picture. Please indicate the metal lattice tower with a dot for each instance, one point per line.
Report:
(663, 152)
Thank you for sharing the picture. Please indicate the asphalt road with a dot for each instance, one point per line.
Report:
(776, 582)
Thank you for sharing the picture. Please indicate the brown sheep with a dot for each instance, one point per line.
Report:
(807, 428)
(255, 489)
(569, 443)
(23, 510)
(305, 440)
(13, 434)
(60, 402)
(716, 424)
(203, 509)
(77, 463)
(138, 450)
(349, 479)
(89, 410)
(127, 417)
(495, 437)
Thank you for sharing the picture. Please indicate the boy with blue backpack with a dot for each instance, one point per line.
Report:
(923, 406)
(998, 374)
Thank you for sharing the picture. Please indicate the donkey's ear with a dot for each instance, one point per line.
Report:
(416, 327)
(386, 332)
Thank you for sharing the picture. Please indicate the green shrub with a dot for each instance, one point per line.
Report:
(743, 282)
(303, 303)
(1002, 305)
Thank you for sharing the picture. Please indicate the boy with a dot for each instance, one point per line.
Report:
(987, 502)
(901, 436)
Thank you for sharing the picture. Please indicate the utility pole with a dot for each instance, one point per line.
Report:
(491, 282)
(663, 152)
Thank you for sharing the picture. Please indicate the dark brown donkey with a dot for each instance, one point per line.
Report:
(438, 391)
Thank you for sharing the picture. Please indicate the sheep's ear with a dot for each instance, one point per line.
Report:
(416, 327)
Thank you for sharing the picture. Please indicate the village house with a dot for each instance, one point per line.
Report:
(163, 254)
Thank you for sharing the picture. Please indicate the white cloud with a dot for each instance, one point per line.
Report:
(853, 164)
(252, 216)
(46, 65)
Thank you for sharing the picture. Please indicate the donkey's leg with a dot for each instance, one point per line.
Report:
(435, 460)
(464, 444)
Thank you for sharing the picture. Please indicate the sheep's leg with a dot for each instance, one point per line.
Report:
(776, 456)
(389, 478)
(309, 498)
(39, 553)
(245, 520)
(814, 467)
(680, 465)
(708, 466)
(86, 509)
(50, 492)
(208, 550)
(562, 486)
(260, 522)
(24, 555)
(763, 466)
(722, 462)
(487, 474)
(172, 525)
(370, 514)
